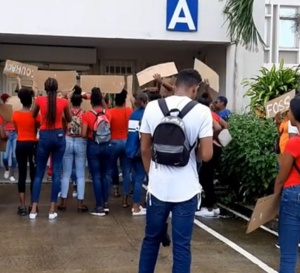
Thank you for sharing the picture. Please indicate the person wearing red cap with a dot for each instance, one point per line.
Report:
(10, 152)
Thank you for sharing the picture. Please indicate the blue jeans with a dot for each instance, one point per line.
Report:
(50, 142)
(138, 179)
(10, 151)
(118, 151)
(289, 229)
(75, 150)
(183, 215)
(73, 174)
(99, 160)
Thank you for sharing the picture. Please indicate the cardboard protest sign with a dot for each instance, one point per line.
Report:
(266, 209)
(129, 80)
(13, 68)
(15, 102)
(108, 84)
(207, 73)
(6, 111)
(280, 104)
(86, 105)
(66, 79)
(165, 70)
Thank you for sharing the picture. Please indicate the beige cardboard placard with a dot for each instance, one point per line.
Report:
(108, 84)
(129, 80)
(66, 79)
(6, 111)
(207, 73)
(280, 104)
(15, 102)
(165, 70)
(266, 209)
(13, 68)
(86, 105)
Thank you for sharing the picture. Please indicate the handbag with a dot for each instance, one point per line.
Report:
(224, 137)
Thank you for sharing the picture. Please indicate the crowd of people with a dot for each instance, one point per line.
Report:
(168, 138)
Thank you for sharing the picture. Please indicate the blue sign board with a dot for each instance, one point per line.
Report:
(182, 15)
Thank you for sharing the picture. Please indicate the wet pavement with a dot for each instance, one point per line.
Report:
(82, 243)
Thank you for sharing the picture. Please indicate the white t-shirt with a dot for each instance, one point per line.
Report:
(177, 184)
(292, 129)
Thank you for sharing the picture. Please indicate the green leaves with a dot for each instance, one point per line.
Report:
(271, 84)
(248, 163)
(242, 29)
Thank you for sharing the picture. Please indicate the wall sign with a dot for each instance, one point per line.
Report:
(182, 15)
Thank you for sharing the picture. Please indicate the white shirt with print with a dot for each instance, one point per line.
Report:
(177, 184)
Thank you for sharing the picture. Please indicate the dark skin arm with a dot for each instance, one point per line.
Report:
(223, 124)
(205, 148)
(84, 129)
(146, 143)
(35, 110)
(286, 164)
(67, 114)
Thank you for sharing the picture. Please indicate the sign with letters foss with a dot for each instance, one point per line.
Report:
(182, 15)
(279, 105)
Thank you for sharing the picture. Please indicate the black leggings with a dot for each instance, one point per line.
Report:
(25, 152)
(206, 177)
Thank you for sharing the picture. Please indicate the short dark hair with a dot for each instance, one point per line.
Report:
(188, 78)
(96, 97)
(295, 107)
(204, 101)
(76, 99)
(120, 98)
(223, 99)
(25, 95)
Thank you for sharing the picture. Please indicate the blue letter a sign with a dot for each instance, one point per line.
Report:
(182, 15)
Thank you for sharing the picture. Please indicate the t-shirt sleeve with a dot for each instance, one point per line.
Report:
(1, 120)
(206, 124)
(292, 129)
(293, 147)
(145, 126)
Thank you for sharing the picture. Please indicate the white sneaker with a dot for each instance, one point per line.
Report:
(205, 213)
(217, 212)
(32, 216)
(59, 195)
(52, 216)
(12, 179)
(74, 194)
(6, 174)
(141, 208)
(142, 212)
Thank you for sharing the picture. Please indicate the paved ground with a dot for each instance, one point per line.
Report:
(85, 244)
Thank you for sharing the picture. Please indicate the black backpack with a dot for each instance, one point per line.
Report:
(170, 145)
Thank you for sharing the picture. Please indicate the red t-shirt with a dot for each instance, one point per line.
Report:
(89, 119)
(61, 104)
(8, 126)
(215, 116)
(293, 148)
(119, 122)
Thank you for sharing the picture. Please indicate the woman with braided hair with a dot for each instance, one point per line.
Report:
(52, 141)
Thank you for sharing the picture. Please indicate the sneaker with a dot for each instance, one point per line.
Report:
(52, 216)
(205, 213)
(98, 212)
(74, 194)
(142, 212)
(12, 179)
(106, 208)
(6, 174)
(22, 211)
(32, 216)
(59, 195)
(217, 212)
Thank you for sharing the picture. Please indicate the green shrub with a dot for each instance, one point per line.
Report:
(249, 164)
(271, 84)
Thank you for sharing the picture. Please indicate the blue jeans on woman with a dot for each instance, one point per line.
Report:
(138, 179)
(75, 150)
(99, 160)
(10, 152)
(50, 142)
(183, 215)
(118, 151)
(289, 229)
(73, 175)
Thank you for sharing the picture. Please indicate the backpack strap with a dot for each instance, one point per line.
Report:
(187, 109)
(163, 107)
(296, 166)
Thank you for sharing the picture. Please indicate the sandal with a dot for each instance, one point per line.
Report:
(82, 209)
(62, 208)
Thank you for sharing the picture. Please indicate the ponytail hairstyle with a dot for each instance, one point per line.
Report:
(76, 98)
(96, 97)
(51, 87)
(120, 98)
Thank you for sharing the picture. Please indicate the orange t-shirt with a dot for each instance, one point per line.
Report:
(8, 126)
(215, 116)
(293, 148)
(284, 135)
(26, 125)
(61, 104)
(89, 119)
(119, 122)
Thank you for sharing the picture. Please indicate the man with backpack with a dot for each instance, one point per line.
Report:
(171, 129)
